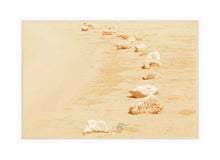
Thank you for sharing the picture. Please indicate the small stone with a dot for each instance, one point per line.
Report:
(148, 104)
(150, 76)
(96, 126)
(152, 59)
(107, 32)
(85, 28)
(144, 91)
(124, 45)
(140, 48)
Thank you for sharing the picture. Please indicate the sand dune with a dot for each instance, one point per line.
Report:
(71, 76)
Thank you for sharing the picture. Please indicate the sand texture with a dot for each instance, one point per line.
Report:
(70, 76)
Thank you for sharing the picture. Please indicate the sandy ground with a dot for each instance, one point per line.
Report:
(70, 76)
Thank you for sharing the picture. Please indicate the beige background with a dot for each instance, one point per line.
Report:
(70, 76)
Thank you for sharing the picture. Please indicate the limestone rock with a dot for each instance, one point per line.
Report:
(152, 63)
(154, 55)
(96, 126)
(148, 104)
(88, 24)
(150, 76)
(152, 59)
(124, 45)
(140, 48)
(144, 91)
(107, 32)
(85, 28)
(123, 35)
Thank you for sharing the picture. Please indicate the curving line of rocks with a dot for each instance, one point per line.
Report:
(149, 101)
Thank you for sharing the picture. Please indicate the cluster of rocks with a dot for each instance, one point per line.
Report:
(148, 101)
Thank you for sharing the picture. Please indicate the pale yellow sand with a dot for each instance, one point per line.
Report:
(70, 76)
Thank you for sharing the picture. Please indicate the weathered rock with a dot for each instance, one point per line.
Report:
(124, 45)
(154, 55)
(150, 76)
(107, 32)
(144, 91)
(123, 35)
(152, 63)
(148, 104)
(85, 28)
(88, 24)
(152, 59)
(140, 48)
(96, 126)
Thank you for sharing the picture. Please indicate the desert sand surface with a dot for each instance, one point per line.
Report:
(70, 76)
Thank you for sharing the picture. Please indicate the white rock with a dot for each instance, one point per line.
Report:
(123, 45)
(123, 35)
(85, 28)
(107, 32)
(144, 91)
(151, 63)
(88, 24)
(148, 104)
(140, 48)
(96, 126)
(154, 55)
(152, 59)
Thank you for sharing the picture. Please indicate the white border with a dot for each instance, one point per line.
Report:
(12, 12)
